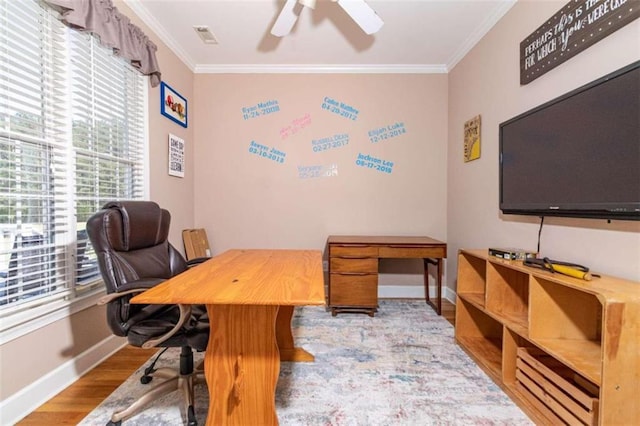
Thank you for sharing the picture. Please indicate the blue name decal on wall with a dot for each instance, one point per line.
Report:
(295, 126)
(261, 108)
(340, 108)
(335, 141)
(266, 152)
(374, 163)
(311, 172)
(388, 132)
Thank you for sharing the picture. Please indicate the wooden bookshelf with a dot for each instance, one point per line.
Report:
(564, 349)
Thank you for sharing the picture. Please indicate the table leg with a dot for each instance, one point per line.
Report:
(242, 364)
(288, 351)
(439, 310)
(426, 281)
(438, 305)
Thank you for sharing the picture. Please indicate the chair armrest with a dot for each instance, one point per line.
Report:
(137, 286)
(185, 315)
(196, 261)
(113, 296)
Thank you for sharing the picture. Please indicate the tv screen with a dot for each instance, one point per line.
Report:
(577, 155)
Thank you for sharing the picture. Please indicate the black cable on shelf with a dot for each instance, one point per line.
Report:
(540, 232)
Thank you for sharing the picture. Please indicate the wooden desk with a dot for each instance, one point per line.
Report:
(353, 268)
(250, 296)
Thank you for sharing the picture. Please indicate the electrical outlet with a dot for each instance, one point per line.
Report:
(325, 265)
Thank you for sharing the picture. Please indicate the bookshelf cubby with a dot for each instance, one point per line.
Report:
(482, 334)
(565, 350)
(508, 295)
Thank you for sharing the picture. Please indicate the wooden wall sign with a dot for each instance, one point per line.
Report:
(472, 139)
(571, 30)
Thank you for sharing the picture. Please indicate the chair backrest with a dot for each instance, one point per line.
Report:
(196, 244)
(130, 239)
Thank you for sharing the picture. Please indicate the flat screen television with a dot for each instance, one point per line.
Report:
(577, 155)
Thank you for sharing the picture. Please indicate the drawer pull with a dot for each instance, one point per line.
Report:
(354, 273)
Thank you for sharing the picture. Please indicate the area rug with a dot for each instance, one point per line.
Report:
(401, 367)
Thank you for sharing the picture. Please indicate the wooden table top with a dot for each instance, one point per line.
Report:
(246, 277)
(384, 240)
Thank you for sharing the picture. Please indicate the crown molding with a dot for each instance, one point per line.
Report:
(319, 69)
(481, 31)
(142, 12)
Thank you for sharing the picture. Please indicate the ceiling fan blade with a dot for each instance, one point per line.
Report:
(362, 14)
(285, 21)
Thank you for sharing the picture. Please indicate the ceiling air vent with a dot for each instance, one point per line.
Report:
(207, 36)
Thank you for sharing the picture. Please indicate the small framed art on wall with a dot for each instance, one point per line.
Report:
(173, 105)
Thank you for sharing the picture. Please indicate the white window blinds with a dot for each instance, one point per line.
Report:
(107, 106)
(71, 138)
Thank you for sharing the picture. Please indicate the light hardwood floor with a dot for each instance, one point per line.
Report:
(75, 402)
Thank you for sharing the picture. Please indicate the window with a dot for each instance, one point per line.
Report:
(72, 136)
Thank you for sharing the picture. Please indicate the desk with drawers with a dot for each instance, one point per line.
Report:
(353, 268)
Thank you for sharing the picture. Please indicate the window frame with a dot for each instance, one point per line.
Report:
(33, 315)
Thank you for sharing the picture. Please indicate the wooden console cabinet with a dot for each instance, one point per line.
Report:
(567, 351)
(353, 268)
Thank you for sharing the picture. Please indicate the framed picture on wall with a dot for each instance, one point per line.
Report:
(172, 105)
(176, 156)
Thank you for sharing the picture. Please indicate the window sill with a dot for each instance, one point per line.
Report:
(26, 322)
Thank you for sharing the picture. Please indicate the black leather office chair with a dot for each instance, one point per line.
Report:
(130, 239)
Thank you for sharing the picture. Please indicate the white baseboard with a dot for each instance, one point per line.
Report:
(449, 294)
(23, 402)
(412, 292)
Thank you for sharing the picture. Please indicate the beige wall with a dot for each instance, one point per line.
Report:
(34, 355)
(172, 193)
(244, 200)
(486, 82)
(29, 358)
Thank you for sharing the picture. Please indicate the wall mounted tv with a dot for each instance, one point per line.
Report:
(577, 155)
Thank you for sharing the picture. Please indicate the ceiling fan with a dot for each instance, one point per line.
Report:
(358, 10)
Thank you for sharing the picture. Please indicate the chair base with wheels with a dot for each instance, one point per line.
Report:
(183, 380)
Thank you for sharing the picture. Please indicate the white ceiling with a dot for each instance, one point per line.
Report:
(417, 36)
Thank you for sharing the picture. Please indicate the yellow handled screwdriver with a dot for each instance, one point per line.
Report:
(569, 269)
(572, 272)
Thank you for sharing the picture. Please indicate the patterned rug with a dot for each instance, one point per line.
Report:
(401, 367)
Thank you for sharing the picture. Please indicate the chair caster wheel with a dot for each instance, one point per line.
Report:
(146, 379)
(118, 423)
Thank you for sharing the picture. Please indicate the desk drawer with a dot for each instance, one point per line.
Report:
(411, 252)
(353, 251)
(354, 290)
(366, 265)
